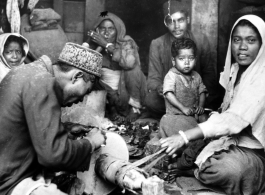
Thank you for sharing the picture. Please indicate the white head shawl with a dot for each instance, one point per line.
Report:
(4, 67)
(249, 102)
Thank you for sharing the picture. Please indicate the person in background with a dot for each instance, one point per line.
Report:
(14, 49)
(32, 135)
(121, 73)
(236, 161)
(177, 20)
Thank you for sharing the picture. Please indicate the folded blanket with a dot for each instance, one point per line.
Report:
(48, 23)
(43, 15)
(35, 28)
(41, 25)
(48, 42)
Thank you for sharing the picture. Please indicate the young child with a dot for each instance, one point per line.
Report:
(183, 90)
(14, 49)
(184, 94)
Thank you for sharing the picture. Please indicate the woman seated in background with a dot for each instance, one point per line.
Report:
(121, 73)
(236, 161)
(13, 51)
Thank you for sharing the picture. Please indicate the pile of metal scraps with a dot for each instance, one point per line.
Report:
(136, 135)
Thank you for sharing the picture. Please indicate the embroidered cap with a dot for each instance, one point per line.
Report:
(81, 57)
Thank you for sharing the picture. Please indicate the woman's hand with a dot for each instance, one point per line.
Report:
(97, 38)
(172, 144)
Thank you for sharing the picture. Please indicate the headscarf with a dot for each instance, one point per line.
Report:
(118, 56)
(4, 67)
(249, 103)
(119, 25)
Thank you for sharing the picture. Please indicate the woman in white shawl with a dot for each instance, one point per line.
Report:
(13, 51)
(236, 161)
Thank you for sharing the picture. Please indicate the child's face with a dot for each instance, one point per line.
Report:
(13, 54)
(185, 61)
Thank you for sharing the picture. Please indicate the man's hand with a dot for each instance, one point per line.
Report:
(133, 179)
(172, 144)
(160, 90)
(97, 137)
(188, 111)
(75, 130)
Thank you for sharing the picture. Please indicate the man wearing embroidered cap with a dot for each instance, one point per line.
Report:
(160, 60)
(32, 135)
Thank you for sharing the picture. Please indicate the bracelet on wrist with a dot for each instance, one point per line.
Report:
(106, 47)
(183, 135)
(108, 44)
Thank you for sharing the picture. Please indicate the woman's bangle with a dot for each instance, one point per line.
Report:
(108, 44)
(183, 135)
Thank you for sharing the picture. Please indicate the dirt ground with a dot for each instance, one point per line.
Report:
(182, 186)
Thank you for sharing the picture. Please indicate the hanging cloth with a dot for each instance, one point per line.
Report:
(32, 4)
(13, 13)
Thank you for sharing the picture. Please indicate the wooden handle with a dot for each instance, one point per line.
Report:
(99, 49)
(147, 158)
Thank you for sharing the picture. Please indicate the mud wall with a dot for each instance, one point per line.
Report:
(204, 21)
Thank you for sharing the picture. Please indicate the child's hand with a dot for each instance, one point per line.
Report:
(199, 110)
(188, 111)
